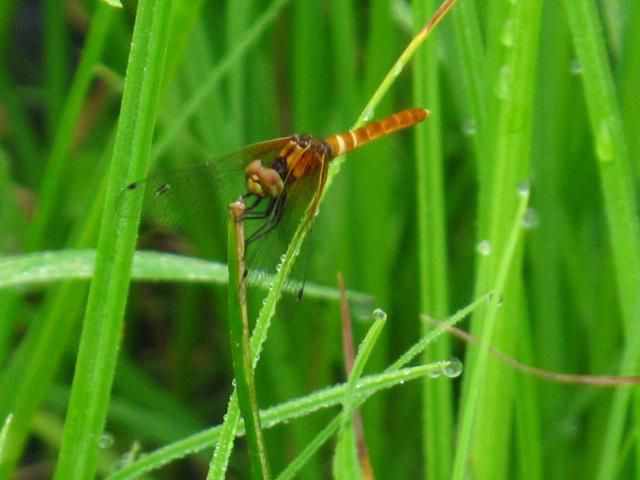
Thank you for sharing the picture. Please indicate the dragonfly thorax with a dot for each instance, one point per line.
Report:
(301, 155)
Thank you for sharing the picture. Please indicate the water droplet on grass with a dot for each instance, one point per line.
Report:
(379, 314)
(469, 127)
(453, 368)
(397, 69)
(105, 440)
(604, 142)
(498, 299)
(576, 67)
(503, 89)
(508, 33)
(484, 248)
(368, 113)
(531, 219)
(524, 189)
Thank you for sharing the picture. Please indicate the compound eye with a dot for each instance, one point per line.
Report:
(302, 141)
(253, 169)
(271, 181)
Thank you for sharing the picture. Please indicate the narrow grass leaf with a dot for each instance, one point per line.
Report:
(322, 399)
(239, 335)
(620, 204)
(345, 461)
(101, 333)
(478, 373)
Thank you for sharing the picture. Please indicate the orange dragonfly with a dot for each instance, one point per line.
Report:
(280, 180)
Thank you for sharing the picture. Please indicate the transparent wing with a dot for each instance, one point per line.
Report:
(176, 198)
(196, 198)
(264, 254)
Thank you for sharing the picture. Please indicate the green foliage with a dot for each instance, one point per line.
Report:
(423, 222)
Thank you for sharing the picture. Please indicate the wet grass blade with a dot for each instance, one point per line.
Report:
(241, 353)
(620, 204)
(101, 332)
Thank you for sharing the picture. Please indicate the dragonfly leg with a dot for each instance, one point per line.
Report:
(250, 214)
(277, 206)
(255, 203)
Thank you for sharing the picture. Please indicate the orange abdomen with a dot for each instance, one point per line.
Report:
(342, 143)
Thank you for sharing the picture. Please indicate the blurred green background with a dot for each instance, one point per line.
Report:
(519, 90)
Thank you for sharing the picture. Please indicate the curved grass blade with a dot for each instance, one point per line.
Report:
(239, 335)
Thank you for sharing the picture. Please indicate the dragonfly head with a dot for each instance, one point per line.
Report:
(303, 141)
(309, 142)
(263, 181)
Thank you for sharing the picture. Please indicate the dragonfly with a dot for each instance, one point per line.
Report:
(281, 181)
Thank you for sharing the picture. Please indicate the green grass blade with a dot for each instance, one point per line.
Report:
(345, 460)
(620, 204)
(500, 172)
(245, 388)
(296, 465)
(4, 433)
(420, 346)
(477, 376)
(222, 452)
(326, 398)
(47, 267)
(101, 331)
(432, 250)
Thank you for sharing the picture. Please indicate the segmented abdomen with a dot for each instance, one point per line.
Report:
(342, 143)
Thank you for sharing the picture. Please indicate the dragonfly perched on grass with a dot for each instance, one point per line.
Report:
(281, 181)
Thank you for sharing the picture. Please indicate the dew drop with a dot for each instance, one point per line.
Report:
(105, 440)
(368, 113)
(604, 142)
(531, 219)
(503, 90)
(497, 299)
(524, 189)
(469, 127)
(435, 373)
(397, 69)
(5, 428)
(576, 67)
(452, 368)
(508, 33)
(379, 314)
(484, 248)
